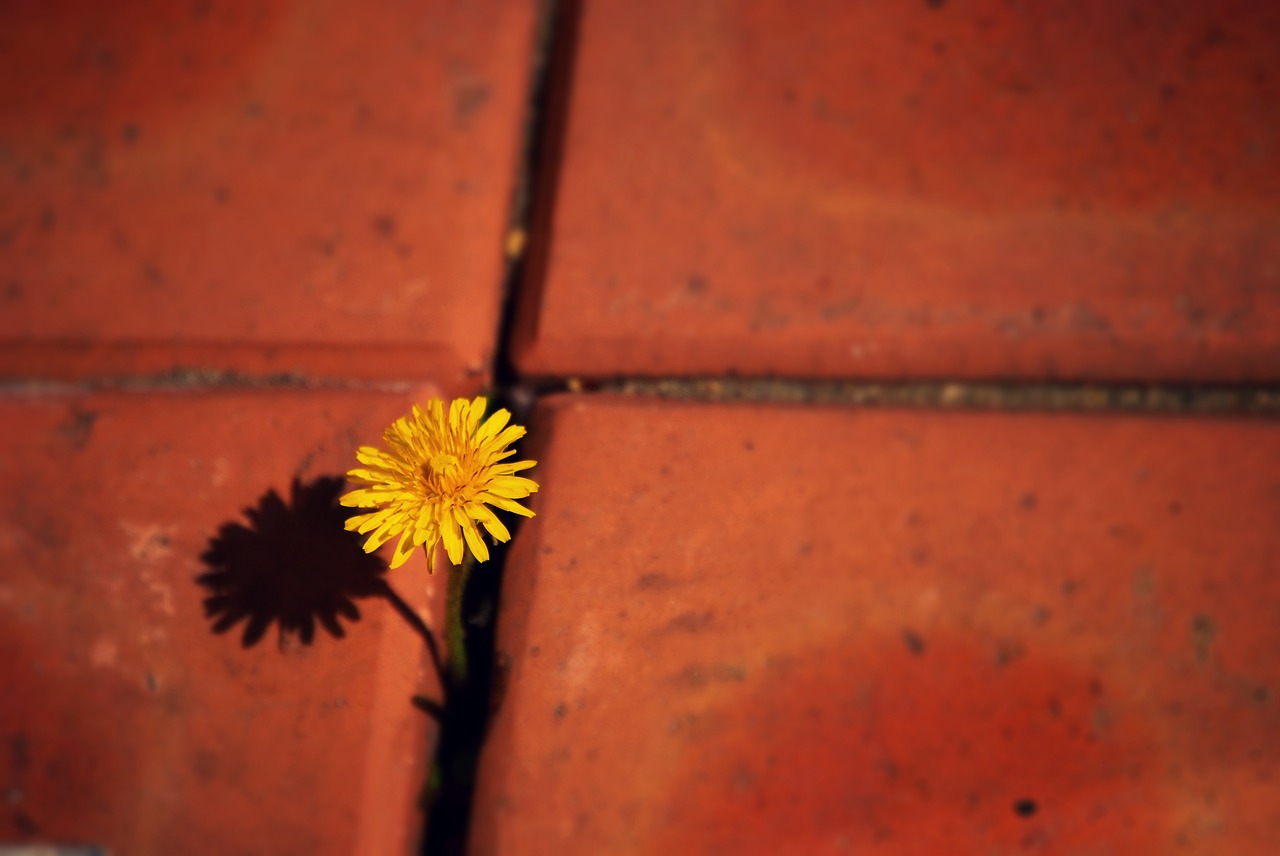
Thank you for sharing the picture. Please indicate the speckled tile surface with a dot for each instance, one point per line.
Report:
(758, 629)
(279, 187)
(924, 189)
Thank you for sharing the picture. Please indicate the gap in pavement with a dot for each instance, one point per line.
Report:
(464, 720)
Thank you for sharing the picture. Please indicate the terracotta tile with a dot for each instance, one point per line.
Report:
(1087, 190)
(268, 187)
(751, 629)
(126, 722)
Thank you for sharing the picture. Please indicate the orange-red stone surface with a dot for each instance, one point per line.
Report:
(749, 629)
(321, 188)
(125, 721)
(930, 188)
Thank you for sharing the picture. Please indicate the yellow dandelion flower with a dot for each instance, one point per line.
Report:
(437, 479)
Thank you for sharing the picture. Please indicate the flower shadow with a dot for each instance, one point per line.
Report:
(295, 566)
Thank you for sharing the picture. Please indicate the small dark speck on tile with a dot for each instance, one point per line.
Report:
(106, 60)
(1203, 631)
(253, 109)
(153, 274)
(696, 284)
(1008, 652)
(653, 581)
(1070, 587)
(130, 132)
(469, 97)
(78, 428)
(935, 4)
(12, 290)
(1261, 695)
(749, 446)
(913, 641)
(561, 711)
(1175, 508)
(384, 225)
(1025, 807)
(20, 751)
(1028, 501)
(25, 824)
(48, 219)
(222, 194)
(535, 651)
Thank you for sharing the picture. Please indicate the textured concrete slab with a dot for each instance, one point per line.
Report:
(280, 187)
(927, 189)
(127, 722)
(764, 629)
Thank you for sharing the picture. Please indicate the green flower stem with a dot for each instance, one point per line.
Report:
(454, 629)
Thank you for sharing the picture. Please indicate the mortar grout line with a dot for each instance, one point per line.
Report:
(1156, 398)
(195, 380)
(519, 394)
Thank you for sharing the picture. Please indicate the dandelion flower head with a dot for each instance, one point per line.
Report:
(437, 479)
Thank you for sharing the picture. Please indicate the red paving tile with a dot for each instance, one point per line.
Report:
(126, 722)
(961, 189)
(268, 187)
(751, 629)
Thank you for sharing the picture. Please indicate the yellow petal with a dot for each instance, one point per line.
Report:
(373, 521)
(456, 408)
(395, 520)
(504, 503)
(490, 520)
(380, 536)
(429, 547)
(403, 550)
(449, 534)
(512, 487)
(513, 467)
(507, 436)
(493, 425)
(478, 404)
(399, 435)
(374, 476)
(374, 457)
(351, 524)
(369, 498)
(426, 520)
(478, 548)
